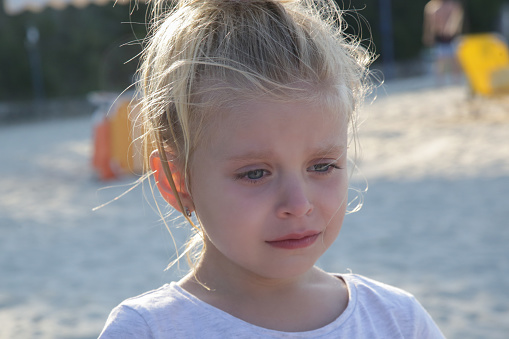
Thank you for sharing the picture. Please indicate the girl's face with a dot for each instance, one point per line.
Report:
(270, 187)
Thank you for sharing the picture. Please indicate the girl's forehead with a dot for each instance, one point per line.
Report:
(244, 112)
(262, 122)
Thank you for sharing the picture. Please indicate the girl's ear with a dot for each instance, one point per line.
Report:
(164, 186)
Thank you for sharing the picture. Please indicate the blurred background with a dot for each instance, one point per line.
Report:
(69, 51)
(435, 153)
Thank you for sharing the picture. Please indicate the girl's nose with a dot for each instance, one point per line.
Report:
(294, 199)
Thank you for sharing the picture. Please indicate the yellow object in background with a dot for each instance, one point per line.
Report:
(115, 154)
(485, 61)
(121, 137)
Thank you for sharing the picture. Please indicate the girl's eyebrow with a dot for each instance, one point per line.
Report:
(320, 152)
(330, 150)
(251, 155)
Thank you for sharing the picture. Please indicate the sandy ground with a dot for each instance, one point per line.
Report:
(435, 219)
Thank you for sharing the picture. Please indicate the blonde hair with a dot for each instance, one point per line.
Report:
(203, 55)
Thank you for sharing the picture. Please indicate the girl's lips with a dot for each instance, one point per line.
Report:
(295, 241)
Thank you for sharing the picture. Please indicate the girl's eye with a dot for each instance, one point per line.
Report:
(256, 174)
(253, 175)
(323, 168)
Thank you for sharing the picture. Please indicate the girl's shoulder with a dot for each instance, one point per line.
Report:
(386, 307)
(370, 286)
(160, 298)
(137, 317)
(367, 292)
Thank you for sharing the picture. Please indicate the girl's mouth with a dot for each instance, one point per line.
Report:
(295, 241)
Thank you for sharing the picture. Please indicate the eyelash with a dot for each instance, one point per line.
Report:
(329, 167)
(244, 175)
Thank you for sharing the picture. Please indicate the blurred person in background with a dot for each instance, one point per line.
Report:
(443, 22)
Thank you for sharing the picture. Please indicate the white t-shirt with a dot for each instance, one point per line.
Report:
(374, 310)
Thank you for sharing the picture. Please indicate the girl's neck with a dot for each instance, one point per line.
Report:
(301, 303)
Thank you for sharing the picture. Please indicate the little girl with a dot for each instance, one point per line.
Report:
(251, 106)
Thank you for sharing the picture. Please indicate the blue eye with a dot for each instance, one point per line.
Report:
(256, 174)
(323, 168)
(253, 175)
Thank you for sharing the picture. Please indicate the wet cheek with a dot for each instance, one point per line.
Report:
(335, 189)
(335, 200)
(244, 193)
(229, 201)
(336, 204)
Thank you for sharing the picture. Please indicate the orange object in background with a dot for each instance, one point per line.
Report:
(113, 154)
(485, 61)
(102, 153)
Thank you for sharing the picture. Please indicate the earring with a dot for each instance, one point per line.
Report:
(188, 212)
